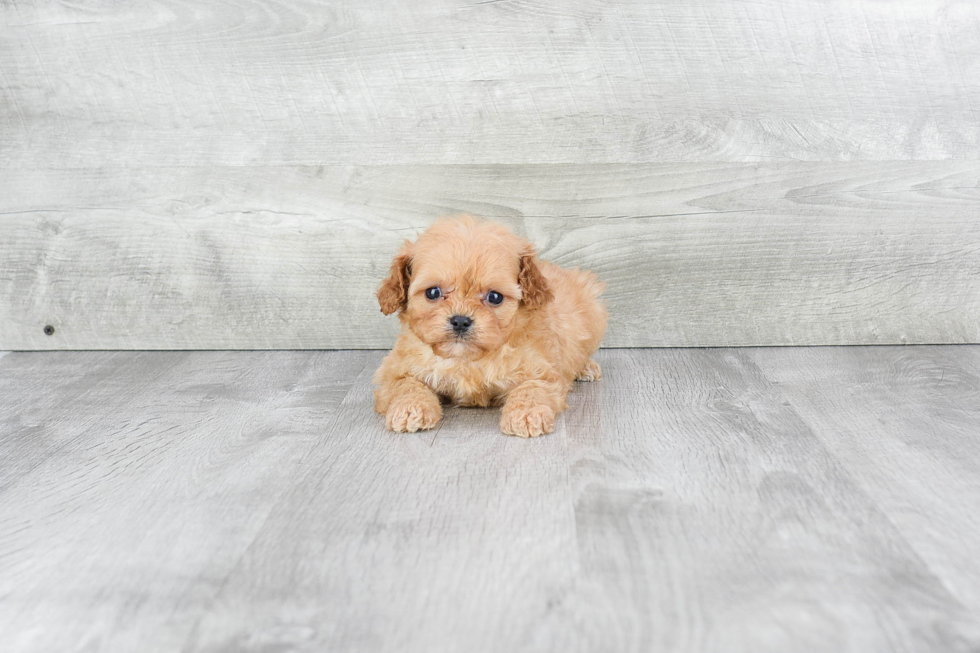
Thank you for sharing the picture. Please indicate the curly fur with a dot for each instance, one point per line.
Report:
(523, 354)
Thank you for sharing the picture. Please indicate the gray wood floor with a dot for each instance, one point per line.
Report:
(805, 499)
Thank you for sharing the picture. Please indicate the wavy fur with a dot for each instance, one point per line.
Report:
(523, 354)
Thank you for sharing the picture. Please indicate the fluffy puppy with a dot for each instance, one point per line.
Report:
(485, 322)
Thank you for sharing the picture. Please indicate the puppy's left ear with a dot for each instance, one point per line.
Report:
(393, 292)
(535, 292)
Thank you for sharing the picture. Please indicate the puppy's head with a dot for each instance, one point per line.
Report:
(463, 286)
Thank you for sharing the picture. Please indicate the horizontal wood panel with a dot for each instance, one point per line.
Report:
(694, 254)
(293, 82)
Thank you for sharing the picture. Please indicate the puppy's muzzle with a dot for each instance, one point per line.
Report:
(461, 324)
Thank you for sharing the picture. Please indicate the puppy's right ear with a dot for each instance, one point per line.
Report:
(393, 293)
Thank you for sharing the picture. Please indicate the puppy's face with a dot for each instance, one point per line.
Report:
(463, 286)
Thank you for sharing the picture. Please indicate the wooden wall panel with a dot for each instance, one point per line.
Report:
(175, 83)
(197, 175)
(694, 254)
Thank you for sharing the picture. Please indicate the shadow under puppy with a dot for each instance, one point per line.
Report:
(485, 322)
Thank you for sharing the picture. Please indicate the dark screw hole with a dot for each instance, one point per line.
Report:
(49, 330)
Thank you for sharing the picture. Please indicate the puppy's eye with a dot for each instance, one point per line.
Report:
(494, 297)
(433, 293)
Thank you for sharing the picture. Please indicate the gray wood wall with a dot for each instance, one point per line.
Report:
(201, 175)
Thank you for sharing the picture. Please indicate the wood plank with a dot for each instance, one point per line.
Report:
(262, 504)
(904, 423)
(218, 501)
(710, 517)
(456, 539)
(166, 467)
(455, 81)
(50, 399)
(694, 254)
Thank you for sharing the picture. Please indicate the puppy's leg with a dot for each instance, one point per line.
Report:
(530, 408)
(591, 372)
(408, 405)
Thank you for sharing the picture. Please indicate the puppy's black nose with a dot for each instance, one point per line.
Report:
(460, 323)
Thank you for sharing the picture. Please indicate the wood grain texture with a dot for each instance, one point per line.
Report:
(781, 549)
(181, 176)
(152, 470)
(520, 81)
(693, 500)
(901, 421)
(693, 254)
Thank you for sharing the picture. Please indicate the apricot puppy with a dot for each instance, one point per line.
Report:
(485, 322)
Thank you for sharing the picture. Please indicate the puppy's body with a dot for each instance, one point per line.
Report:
(553, 341)
(523, 353)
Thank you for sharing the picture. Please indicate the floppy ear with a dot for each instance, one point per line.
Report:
(393, 293)
(535, 292)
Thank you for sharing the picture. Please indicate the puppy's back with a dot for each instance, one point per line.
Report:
(576, 316)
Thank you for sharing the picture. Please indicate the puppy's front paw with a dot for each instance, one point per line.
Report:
(591, 372)
(412, 415)
(527, 422)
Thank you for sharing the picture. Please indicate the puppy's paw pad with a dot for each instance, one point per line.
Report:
(528, 422)
(591, 372)
(411, 417)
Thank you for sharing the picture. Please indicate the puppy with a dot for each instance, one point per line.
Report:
(485, 322)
